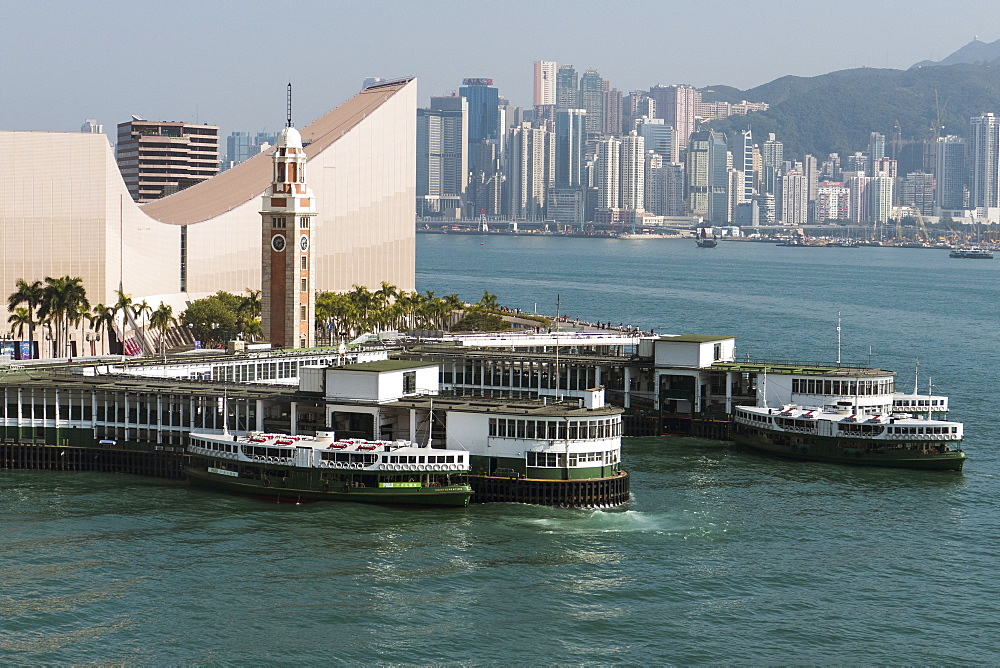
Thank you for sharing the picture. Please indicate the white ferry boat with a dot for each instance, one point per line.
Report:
(324, 468)
(851, 416)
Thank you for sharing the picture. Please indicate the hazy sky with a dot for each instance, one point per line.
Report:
(227, 62)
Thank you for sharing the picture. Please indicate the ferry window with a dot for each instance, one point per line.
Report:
(493, 426)
(451, 459)
(409, 382)
(530, 429)
(520, 428)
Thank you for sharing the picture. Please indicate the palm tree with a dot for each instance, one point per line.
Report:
(30, 295)
(103, 318)
(63, 299)
(248, 314)
(20, 318)
(161, 319)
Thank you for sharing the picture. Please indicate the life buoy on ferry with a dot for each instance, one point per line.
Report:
(326, 485)
(266, 482)
(437, 467)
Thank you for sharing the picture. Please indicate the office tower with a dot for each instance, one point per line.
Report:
(833, 202)
(767, 208)
(811, 171)
(612, 111)
(91, 125)
(567, 90)
(949, 174)
(795, 196)
(530, 170)
(707, 173)
(484, 110)
(677, 106)
(632, 172)
(659, 137)
(442, 155)
(772, 154)
(607, 173)
(545, 82)
(160, 158)
(918, 192)
(856, 162)
(592, 99)
(984, 161)
(484, 192)
(570, 135)
(242, 146)
(876, 150)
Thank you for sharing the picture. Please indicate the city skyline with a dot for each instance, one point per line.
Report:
(64, 62)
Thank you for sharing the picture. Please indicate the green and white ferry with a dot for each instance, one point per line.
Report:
(849, 416)
(323, 468)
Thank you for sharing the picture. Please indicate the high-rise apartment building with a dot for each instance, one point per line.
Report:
(160, 158)
(612, 111)
(772, 154)
(567, 88)
(607, 173)
(949, 174)
(861, 198)
(794, 196)
(984, 161)
(242, 146)
(545, 82)
(91, 125)
(918, 192)
(833, 202)
(632, 175)
(442, 154)
(592, 99)
(530, 170)
(677, 106)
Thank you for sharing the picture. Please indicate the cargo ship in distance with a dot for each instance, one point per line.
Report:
(322, 468)
(850, 416)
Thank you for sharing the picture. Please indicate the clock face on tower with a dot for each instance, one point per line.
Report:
(304, 243)
(278, 242)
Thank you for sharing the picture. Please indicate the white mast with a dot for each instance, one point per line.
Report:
(838, 338)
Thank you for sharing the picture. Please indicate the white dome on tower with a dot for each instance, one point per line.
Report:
(289, 138)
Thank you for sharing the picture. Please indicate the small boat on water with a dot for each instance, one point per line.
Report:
(705, 241)
(323, 468)
(971, 254)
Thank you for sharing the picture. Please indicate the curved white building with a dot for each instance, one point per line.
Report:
(67, 211)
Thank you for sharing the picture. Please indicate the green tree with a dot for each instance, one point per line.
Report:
(19, 319)
(102, 319)
(212, 320)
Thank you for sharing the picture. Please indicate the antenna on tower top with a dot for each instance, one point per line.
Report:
(289, 123)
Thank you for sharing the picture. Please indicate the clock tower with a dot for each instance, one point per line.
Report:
(288, 297)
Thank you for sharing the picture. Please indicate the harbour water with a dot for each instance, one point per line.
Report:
(723, 556)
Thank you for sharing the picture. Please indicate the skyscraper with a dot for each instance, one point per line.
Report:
(442, 153)
(918, 192)
(612, 111)
(743, 162)
(772, 154)
(795, 197)
(607, 173)
(592, 99)
(876, 150)
(707, 175)
(530, 170)
(949, 173)
(570, 136)
(984, 159)
(484, 110)
(91, 125)
(545, 82)
(567, 92)
(677, 105)
(158, 158)
(632, 172)
(659, 137)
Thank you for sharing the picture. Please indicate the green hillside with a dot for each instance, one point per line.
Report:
(835, 112)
